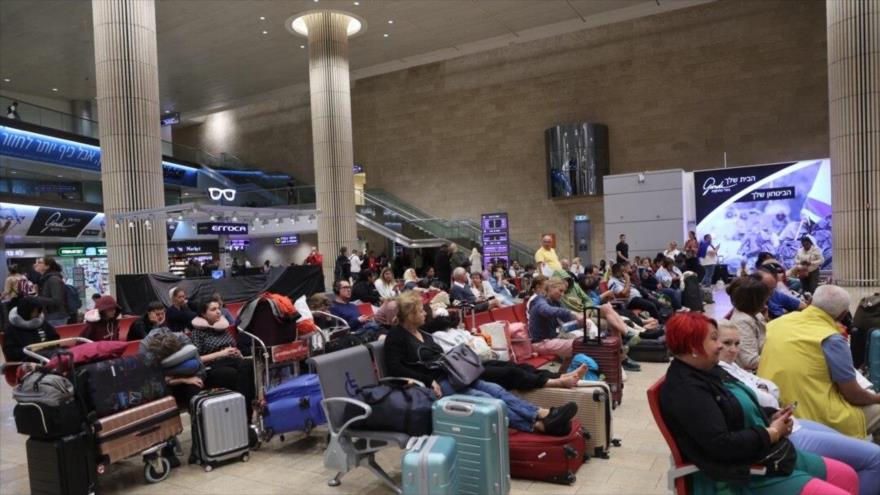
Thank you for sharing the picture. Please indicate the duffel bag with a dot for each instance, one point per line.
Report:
(46, 406)
(89, 353)
(108, 387)
(396, 407)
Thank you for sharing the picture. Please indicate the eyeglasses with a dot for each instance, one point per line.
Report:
(341, 287)
(216, 193)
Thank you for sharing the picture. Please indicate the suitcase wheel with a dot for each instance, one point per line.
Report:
(615, 442)
(208, 468)
(245, 457)
(152, 475)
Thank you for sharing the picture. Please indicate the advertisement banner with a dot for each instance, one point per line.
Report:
(54, 222)
(766, 208)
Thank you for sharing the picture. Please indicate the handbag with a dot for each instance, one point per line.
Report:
(462, 366)
(781, 459)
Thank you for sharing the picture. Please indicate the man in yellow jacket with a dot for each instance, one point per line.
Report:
(806, 355)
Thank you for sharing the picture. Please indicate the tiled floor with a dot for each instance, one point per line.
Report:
(638, 466)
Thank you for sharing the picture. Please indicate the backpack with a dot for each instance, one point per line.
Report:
(71, 298)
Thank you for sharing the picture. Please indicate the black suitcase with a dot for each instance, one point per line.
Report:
(65, 466)
(112, 386)
(650, 350)
(692, 295)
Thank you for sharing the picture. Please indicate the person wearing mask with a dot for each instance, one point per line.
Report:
(364, 289)
(808, 261)
(408, 352)
(386, 286)
(102, 323)
(718, 425)
(153, 318)
(52, 293)
(806, 435)
(749, 297)
(342, 270)
(809, 358)
(224, 363)
(179, 315)
(708, 254)
(27, 325)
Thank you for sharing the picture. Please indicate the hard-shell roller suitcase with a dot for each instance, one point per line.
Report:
(479, 426)
(593, 399)
(294, 405)
(115, 385)
(134, 430)
(429, 466)
(650, 351)
(873, 358)
(219, 428)
(64, 466)
(541, 457)
(606, 352)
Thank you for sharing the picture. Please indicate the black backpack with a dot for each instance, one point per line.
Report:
(867, 318)
(692, 295)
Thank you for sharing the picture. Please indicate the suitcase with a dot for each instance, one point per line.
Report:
(534, 456)
(479, 426)
(134, 430)
(219, 427)
(429, 466)
(294, 405)
(64, 466)
(873, 358)
(593, 399)
(115, 385)
(607, 352)
(650, 350)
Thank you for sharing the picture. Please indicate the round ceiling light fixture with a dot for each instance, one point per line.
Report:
(297, 23)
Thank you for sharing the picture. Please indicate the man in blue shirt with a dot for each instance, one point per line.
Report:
(545, 315)
(779, 302)
(343, 308)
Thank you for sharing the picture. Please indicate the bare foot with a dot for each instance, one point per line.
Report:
(581, 371)
(569, 381)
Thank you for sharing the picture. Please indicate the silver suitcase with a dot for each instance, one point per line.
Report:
(219, 428)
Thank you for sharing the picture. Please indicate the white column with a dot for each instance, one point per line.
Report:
(127, 79)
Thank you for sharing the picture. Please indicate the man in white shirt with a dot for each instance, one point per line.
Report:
(621, 285)
(672, 251)
(356, 263)
(808, 260)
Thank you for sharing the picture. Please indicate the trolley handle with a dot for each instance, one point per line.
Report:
(31, 350)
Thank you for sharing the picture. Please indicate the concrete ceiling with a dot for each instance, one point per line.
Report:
(213, 53)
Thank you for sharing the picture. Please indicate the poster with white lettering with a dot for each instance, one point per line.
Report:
(54, 222)
(766, 208)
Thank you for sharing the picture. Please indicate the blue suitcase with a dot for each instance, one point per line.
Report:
(429, 466)
(479, 426)
(294, 405)
(873, 358)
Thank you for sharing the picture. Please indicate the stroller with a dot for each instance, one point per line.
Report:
(131, 427)
(286, 400)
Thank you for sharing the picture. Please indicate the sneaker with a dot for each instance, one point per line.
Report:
(558, 422)
(630, 365)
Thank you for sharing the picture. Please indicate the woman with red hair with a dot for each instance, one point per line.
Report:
(719, 426)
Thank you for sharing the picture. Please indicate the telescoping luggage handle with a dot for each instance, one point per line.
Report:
(587, 339)
(31, 350)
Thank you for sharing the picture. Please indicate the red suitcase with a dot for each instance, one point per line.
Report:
(535, 456)
(607, 353)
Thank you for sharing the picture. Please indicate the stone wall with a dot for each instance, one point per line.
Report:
(466, 136)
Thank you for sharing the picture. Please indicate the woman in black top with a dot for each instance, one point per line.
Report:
(179, 315)
(409, 350)
(27, 325)
(364, 290)
(153, 318)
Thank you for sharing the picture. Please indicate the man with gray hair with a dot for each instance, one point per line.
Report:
(807, 356)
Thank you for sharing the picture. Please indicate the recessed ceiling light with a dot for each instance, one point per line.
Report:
(356, 4)
(14, 172)
(262, 18)
(390, 21)
(167, 111)
(59, 176)
(55, 89)
(6, 79)
(385, 35)
(265, 32)
(186, 194)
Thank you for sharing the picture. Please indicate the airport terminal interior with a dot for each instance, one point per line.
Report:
(440, 246)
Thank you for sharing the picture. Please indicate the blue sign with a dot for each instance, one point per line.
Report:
(496, 239)
(27, 145)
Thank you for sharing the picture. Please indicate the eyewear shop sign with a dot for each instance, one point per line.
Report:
(47, 149)
(53, 222)
(749, 210)
(221, 228)
(495, 238)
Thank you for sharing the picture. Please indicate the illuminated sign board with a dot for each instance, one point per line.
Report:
(496, 237)
(287, 240)
(221, 228)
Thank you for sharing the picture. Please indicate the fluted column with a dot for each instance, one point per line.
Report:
(331, 133)
(853, 30)
(127, 79)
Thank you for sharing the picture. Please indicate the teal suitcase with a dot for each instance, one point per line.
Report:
(430, 466)
(479, 426)
(873, 358)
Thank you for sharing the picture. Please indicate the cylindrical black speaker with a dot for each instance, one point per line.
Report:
(577, 159)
